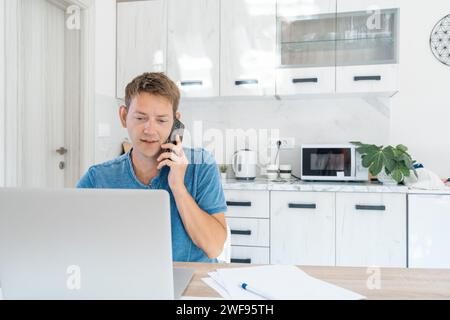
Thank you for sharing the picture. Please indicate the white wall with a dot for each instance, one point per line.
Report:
(421, 110)
(107, 145)
(308, 121)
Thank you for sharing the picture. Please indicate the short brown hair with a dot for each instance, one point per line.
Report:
(154, 83)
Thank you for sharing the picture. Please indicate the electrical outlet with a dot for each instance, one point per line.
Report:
(286, 143)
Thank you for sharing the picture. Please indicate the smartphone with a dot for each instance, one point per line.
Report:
(177, 129)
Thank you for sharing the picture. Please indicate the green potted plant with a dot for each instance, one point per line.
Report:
(390, 164)
(223, 171)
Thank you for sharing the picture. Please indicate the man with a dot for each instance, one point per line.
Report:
(189, 175)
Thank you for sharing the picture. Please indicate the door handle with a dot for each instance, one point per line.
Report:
(367, 78)
(369, 207)
(305, 80)
(62, 151)
(239, 204)
(302, 206)
(242, 232)
(235, 260)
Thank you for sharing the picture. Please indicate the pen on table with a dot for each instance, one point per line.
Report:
(253, 290)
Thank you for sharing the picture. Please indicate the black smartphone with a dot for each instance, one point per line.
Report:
(177, 129)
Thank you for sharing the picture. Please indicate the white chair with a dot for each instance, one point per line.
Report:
(225, 256)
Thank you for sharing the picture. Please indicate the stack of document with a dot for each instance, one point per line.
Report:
(274, 282)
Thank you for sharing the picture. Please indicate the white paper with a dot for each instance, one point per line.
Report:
(281, 282)
(217, 287)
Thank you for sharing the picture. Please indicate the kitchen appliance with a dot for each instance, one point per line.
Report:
(244, 165)
(332, 162)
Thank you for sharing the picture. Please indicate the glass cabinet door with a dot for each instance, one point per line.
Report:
(307, 42)
(306, 33)
(367, 37)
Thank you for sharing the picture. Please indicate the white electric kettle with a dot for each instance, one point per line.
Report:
(244, 164)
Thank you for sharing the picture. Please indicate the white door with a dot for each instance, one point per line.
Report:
(371, 229)
(193, 46)
(42, 94)
(429, 225)
(2, 97)
(141, 40)
(302, 228)
(248, 45)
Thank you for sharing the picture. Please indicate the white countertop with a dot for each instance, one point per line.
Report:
(298, 185)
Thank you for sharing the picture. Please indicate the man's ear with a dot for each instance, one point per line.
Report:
(178, 116)
(123, 112)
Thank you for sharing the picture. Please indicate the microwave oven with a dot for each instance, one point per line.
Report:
(332, 162)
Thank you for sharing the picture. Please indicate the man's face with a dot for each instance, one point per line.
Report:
(149, 121)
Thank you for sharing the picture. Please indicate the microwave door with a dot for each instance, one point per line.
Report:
(327, 162)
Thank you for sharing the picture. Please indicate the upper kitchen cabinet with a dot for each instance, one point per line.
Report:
(367, 46)
(248, 46)
(366, 5)
(306, 46)
(194, 46)
(141, 40)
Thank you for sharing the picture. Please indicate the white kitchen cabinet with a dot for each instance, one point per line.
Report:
(296, 8)
(249, 232)
(248, 46)
(306, 47)
(305, 80)
(141, 40)
(367, 50)
(367, 78)
(193, 46)
(429, 236)
(371, 229)
(247, 204)
(366, 5)
(250, 255)
(302, 228)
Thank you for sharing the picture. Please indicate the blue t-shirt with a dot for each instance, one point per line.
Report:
(202, 180)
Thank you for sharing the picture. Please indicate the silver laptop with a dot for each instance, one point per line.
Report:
(87, 244)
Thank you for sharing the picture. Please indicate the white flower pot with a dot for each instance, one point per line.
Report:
(223, 175)
(386, 179)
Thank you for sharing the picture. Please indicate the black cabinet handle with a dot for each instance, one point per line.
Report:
(241, 260)
(367, 78)
(302, 206)
(305, 80)
(242, 82)
(191, 83)
(372, 208)
(242, 232)
(239, 204)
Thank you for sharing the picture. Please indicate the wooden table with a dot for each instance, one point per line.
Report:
(394, 283)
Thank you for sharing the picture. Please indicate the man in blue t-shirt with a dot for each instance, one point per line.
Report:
(189, 175)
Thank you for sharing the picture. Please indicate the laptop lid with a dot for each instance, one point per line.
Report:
(85, 244)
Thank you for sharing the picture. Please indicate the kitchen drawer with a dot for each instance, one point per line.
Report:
(250, 255)
(247, 204)
(249, 232)
(371, 229)
(368, 78)
(305, 80)
(302, 228)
